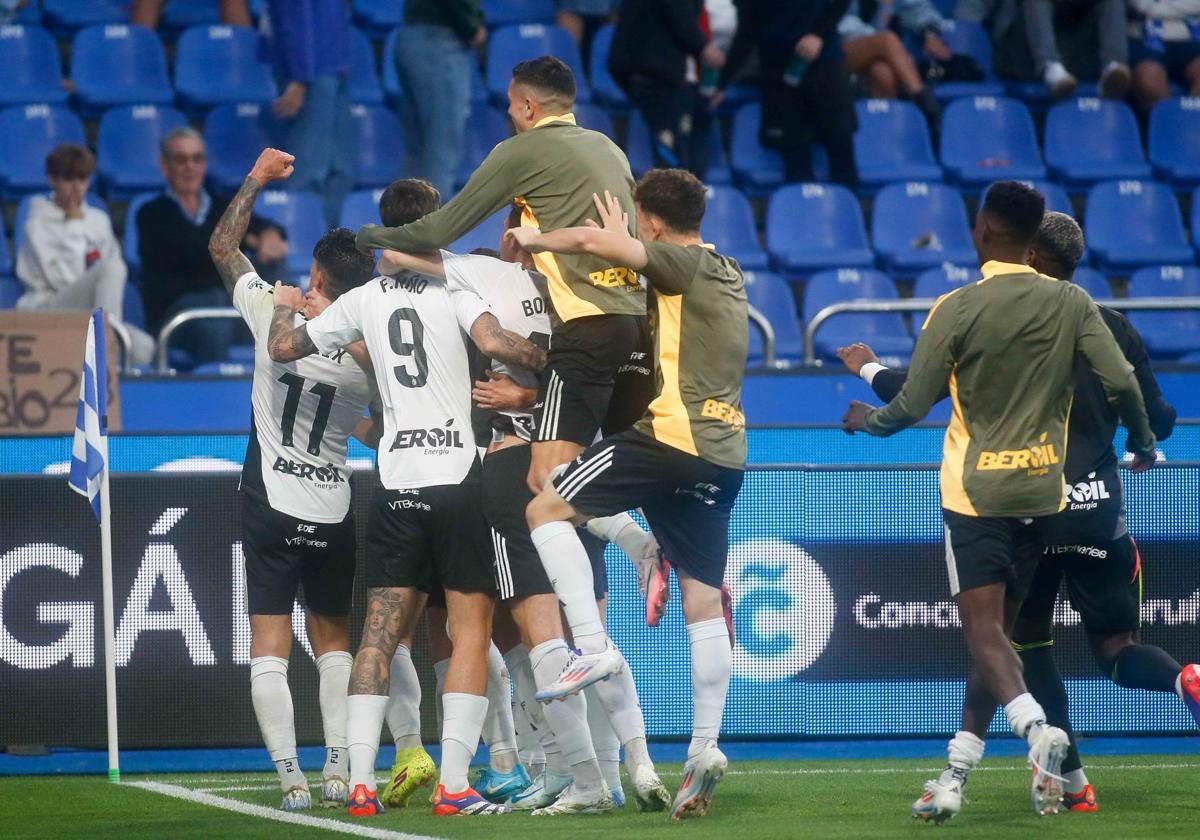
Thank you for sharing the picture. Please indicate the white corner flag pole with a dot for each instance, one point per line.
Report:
(110, 643)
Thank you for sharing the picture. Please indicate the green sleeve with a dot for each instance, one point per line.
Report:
(932, 363)
(493, 186)
(1095, 341)
(670, 268)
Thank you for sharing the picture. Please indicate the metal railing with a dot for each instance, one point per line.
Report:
(925, 304)
(187, 316)
(768, 335)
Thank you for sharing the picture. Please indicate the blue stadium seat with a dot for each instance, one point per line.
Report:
(29, 15)
(486, 127)
(216, 64)
(235, 135)
(1196, 219)
(771, 295)
(380, 145)
(6, 262)
(989, 138)
(133, 259)
(755, 169)
(892, 144)
(128, 149)
(1093, 282)
(119, 64)
(505, 12)
(1056, 197)
(884, 331)
(66, 17)
(595, 118)
(1175, 141)
(360, 208)
(968, 38)
(301, 215)
(223, 369)
(509, 45)
(378, 17)
(178, 15)
(1190, 359)
(486, 235)
(729, 224)
(10, 291)
(27, 134)
(1090, 140)
(918, 225)
(132, 309)
(1131, 224)
(604, 87)
(935, 282)
(22, 214)
(811, 227)
(364, 77)
(29, 66)
(1167, 334)
(641, 158)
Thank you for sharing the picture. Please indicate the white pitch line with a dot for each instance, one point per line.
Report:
(290, 817)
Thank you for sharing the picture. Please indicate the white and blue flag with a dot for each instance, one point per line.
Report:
(89, 452)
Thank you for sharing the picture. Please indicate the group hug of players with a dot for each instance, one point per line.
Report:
(541, 356)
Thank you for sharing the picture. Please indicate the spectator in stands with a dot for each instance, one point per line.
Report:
(147, 12)
(582, 18)
(435, 57)
(1164, 43)
(875, 53)
(310, 51)
(173, 232)
(1108, 18)
(658, 50)
(69, 258)
(806, 91)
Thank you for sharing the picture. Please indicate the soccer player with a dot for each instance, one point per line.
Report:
(296, 524)
(427, 525)
(682, 463)
(1010, 378)
(1088, 543)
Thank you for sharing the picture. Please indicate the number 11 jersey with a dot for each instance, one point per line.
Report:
(416, 333)
(303, 414)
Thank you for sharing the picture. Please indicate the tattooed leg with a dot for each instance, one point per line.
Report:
(389, 612)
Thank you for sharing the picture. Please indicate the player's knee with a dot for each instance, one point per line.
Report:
(545, 508)
(1106, 650)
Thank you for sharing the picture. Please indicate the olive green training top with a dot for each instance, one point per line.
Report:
(553, 170)
(700, 344)
(1006, 344)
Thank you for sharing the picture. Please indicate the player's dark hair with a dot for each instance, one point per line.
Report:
(407, 200)
(1059, 241)
(345, 267)
(70, 161)
(1017, 207)
(674, 195)
(485, 252)
(547, 76)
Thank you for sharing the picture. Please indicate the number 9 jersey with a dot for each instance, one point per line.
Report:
(304, 412)
(416, 333)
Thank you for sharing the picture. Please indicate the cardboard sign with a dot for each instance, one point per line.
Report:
(41, 361)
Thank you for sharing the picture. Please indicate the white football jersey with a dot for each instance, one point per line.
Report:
(416, 334)
(304, 412)
(518, 299)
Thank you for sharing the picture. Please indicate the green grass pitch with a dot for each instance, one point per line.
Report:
(1139, 796)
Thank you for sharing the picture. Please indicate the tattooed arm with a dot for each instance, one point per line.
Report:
(505, 345)
(224, 246)
(285, 342)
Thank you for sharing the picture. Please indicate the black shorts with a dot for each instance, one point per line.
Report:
(1104, 584)
(686, 500)
(1094, 511)
(982, 550)
(283, 552)
(428, 536)
(599, 375)
(519, 570)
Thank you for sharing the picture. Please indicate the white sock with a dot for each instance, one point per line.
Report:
(570, 572)
(499, 731)
(568, 717)
(273, 707)
(1024, 715)
(619, 696)
(604, 739)
(462, 722)
(440, 669)
(364, 721)
(526, 710)
(334, 669)
(964, 752)
(404, 701)
(622, 530)
(712, 660)
(1075, 781)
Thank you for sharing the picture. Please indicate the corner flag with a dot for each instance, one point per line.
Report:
(89, 452)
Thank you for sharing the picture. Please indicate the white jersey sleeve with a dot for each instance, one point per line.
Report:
(340, 324)
(254, 298)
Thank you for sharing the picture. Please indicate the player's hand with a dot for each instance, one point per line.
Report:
(612, 217)
(289, 296)
(809, 47)
(1142, 462)
(855, 356)
(289, 103)
(855, 418)
(526, 237)
(273, 165)
(314, 303)
(502, 393)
